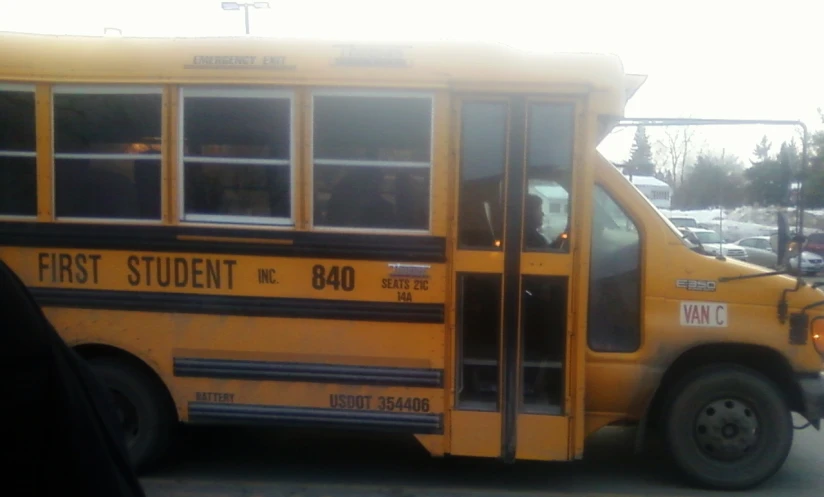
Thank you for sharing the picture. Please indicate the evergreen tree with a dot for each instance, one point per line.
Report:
(640, 159)
(814, 179)
(714, 179)
(768, 180)
(762, 149)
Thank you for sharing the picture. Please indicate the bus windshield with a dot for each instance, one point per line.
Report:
(669, 223)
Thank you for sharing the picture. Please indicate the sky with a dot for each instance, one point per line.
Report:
(703, 58)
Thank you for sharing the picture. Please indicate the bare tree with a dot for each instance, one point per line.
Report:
(675, 147)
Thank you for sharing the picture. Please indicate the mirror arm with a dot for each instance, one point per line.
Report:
(782, 304)
(725, 279)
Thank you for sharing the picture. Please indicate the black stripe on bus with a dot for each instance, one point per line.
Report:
(306, 372)
(512, 269)
(356, 246)
(239, 306)
(314, 417)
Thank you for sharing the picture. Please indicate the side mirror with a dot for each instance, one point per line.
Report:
(779, 240)
(799, 243)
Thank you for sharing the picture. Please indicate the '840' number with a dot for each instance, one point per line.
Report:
(337, 277)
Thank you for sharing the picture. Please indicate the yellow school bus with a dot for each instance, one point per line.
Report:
(418, 239)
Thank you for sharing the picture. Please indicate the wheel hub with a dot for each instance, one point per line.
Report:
(727, 429)
(127, 414)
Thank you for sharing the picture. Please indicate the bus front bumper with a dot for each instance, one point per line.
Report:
(812, 394)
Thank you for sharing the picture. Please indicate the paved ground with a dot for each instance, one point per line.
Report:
(240, 462)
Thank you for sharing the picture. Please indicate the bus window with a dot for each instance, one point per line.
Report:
(18, 157)
(479, 297)
(372, 159)
(543, 318)
(237, 156)
(549, 171)
(614, 322)
(107, 152)
(483, 157)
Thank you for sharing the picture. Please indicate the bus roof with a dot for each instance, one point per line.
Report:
(247, 60)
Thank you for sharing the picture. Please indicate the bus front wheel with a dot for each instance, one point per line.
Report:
(145, 417)
(728, 427)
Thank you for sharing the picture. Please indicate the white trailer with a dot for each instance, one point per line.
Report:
(659, 192)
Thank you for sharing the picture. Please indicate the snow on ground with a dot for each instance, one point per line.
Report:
(742, 222)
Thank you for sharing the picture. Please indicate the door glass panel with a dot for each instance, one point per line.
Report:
(614, 317)
(478, 326)
(543, 332)
(549, 171)
(483, 158)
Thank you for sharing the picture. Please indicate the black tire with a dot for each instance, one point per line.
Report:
(143, 407)
(728, 427)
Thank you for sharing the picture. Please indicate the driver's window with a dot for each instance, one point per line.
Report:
(614, 318)
(550, 131)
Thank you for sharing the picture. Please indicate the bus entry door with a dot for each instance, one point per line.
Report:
(513, 265)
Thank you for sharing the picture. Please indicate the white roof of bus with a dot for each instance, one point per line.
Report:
(455, 66)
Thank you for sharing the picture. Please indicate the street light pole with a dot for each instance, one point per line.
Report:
(245, 5)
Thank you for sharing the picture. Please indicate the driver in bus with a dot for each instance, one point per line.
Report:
(533, 222)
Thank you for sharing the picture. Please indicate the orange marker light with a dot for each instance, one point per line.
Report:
(817, 333)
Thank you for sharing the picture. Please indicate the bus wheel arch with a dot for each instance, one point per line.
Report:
(141, 395)
(769, 362)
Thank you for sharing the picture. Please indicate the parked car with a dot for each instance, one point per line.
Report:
(713, 244)
(759, 249)
(815, 243)
(684, 221)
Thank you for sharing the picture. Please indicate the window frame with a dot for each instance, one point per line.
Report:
(274, 93)
(107, 89)
(313, 161)
(22, 88)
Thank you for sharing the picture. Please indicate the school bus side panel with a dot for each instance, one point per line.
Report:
(165, 342)
(246, 330)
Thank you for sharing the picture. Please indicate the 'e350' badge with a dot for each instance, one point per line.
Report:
(696, 285)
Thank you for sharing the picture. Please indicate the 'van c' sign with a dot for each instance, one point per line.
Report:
(704, 314)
